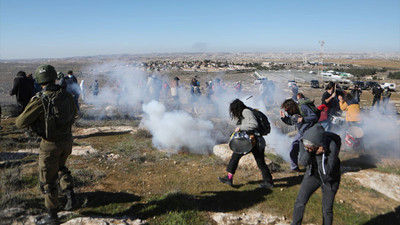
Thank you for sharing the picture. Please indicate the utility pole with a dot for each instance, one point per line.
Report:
(321, 56)
(321, 61)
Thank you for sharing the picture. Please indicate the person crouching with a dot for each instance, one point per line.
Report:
(319, 151)
(246, 121)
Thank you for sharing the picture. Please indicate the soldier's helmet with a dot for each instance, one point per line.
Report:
(45, 74)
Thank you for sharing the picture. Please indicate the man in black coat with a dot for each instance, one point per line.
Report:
(70, 83)
(376, 92)
(22, 89)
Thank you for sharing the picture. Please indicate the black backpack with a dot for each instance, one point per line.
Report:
(264, 126)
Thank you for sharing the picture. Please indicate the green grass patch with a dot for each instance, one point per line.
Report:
(389, 169)
(182, 218)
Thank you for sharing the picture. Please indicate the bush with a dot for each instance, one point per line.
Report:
(394, 75)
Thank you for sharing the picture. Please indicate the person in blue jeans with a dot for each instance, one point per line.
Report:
(304, 122)
(319, 152)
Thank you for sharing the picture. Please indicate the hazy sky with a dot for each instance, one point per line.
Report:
(47, 29)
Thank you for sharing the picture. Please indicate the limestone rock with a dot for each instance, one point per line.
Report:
(223, 151)
(103, 221)
(386, 184)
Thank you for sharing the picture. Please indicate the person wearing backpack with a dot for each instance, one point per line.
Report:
(50, 114)
(319, 152)
(246, 121)
(303, 117)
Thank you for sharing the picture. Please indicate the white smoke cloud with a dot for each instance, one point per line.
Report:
(279, 142)
(382, 132)
(178, 129)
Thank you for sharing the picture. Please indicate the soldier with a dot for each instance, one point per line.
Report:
(56, 144)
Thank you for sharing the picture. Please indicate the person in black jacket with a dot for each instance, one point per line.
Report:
(376, 92)
(22, 89)
(330, 99)
(319, 151)
(70, 83)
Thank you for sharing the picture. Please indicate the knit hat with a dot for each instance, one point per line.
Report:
(316, 134)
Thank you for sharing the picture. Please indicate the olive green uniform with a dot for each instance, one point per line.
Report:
(52, 154)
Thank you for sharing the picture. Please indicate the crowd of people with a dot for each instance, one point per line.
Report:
(315, 147)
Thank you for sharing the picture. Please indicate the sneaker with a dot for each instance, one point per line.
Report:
(295, 170)
(267, 184)
(226, 180)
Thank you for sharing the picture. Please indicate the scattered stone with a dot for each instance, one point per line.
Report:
(249, 218)
(12, 212)
(103, 221)
(76, 150)
(83, 132)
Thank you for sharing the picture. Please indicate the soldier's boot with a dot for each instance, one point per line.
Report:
(72, 200)
(50, 219)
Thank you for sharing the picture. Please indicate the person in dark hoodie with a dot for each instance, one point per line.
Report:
(319, 151)
(246, 121)
(22, 89)
(304, 118)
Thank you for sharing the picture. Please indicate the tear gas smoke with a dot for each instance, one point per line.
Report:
(174, 130)
(126, 88)
(279, 142)
(382, 132)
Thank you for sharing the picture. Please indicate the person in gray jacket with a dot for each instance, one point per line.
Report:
(246, 121)
(319, 151)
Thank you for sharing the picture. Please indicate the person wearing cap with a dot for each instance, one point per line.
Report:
(54, 151)
(22, 89)
(319, 152)
(246, 121)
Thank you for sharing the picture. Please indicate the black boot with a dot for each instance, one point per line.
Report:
(50, 219)
(72, 201)
(267, 184)
(226, 180)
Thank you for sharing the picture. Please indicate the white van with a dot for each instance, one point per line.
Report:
(391, 86)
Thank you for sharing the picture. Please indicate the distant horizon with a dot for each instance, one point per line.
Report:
(46, 29)
(317, 54)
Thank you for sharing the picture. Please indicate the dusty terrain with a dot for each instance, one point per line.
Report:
(120, 175)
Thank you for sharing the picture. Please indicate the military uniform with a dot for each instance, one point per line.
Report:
(53, 153)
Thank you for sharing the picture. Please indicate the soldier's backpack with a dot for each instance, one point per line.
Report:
(59, 114)
(311, 105)
(264, 126)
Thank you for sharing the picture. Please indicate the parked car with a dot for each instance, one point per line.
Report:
(314, 83)
(260, 80)
(371, 84)
(360, 84)
(391, 86)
